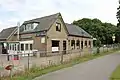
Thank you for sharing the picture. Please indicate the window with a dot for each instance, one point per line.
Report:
(30, 46)
(24, 26)
(15, 47)
(9, 46)
(42, 39)
(72, 42)
(81, 44)
(90, 43)
(26, 46)
(58, 27)
(30, 26)
(22, 47)
(12, 46)
(18, 47)
(78, 43)
(34, 25)
(85, 43)
(55, 43)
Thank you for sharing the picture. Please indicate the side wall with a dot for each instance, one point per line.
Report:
(85, 48)
(52, 34)
(37, 45)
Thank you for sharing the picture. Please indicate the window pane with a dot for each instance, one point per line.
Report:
(58, 27)
(24, 26)
(30, 46)
(86, 43)
(12, 46)
(35, 24)
(18, 47)
(28, 27)
(26, 46)
(15, 47)
(72, 42)
(55, 43)
(32, 26)
(22, 46)
(90, 43)
(78, 43)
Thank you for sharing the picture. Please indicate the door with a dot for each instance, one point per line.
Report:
(64, 47)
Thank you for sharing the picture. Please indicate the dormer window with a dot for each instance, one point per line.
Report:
(58, 26)
(35, 24)
(30, 26)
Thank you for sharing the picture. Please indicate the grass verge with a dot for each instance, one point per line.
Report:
(116, 74)
(36, 71)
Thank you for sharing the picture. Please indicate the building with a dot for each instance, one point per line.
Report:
(49, 33)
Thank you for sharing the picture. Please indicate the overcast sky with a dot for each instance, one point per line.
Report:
(13, 11)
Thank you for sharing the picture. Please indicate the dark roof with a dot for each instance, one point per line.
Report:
(5, 33)
(44, 22)
(76, 30)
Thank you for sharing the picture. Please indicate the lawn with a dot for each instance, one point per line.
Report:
(116, 74)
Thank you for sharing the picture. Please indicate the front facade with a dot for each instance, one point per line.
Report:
(48, 34)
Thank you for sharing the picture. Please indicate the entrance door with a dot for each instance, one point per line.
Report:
(64, 47)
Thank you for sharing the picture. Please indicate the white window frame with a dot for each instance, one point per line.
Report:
(30, 26)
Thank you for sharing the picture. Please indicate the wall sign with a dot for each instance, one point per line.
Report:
(9, 67)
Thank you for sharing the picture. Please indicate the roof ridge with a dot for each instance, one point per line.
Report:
(43, 17)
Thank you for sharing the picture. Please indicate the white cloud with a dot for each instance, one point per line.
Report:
(71, 10)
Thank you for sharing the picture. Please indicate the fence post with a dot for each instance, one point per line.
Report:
(61, 57)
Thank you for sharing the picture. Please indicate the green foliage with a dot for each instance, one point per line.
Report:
(98, 43)
(118, 25)
(118, 14)
(99, 30)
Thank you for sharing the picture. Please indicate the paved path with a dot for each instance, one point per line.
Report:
(97, 69)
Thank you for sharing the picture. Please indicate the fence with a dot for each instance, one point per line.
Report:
(45, 59)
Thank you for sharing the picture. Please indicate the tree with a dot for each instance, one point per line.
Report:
(99, 30)
(118, 24)
(118, 14)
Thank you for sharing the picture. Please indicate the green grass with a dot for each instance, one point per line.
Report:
(36, 71)
(116, 74)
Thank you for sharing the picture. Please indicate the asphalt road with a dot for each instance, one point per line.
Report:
(97, 69)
